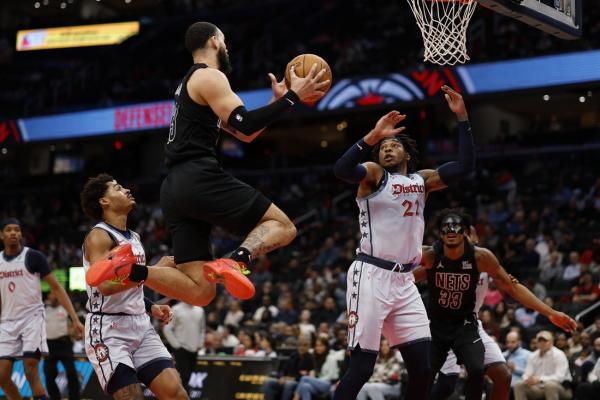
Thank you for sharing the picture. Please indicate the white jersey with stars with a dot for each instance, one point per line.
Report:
(391, 219)
(129, 301)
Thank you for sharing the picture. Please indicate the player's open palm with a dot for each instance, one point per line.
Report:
(455, 102)
(310, 86)
(386, 126)
(563, 321)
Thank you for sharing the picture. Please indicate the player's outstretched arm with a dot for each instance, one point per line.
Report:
(349, 168)
(96, 246)
(454, 170)
(487, 262)
(211, 86)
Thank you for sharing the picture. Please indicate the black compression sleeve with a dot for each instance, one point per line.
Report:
(455, 170)
(248, 122)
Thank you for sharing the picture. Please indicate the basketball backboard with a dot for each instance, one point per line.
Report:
(561, 18)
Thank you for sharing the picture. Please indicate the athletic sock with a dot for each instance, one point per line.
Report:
(241, 255)
(139, 273)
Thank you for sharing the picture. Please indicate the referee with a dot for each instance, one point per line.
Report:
(60, 348)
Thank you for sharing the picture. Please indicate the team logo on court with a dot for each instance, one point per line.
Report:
(11, 287)
(352, 319)
(101, 352)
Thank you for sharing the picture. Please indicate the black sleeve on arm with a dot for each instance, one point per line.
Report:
(456, 170)
(148, 304)
(248, 122)
(349, 168)
(36, 262)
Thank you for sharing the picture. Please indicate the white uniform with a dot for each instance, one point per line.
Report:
(22, 326)
(381, 301)
(493, 354)
(117, 328)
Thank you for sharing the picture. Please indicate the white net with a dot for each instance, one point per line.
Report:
(444, 24)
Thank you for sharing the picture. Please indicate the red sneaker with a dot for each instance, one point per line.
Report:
(116, 265)
(231, 274)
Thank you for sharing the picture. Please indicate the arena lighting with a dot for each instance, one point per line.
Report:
(36, 4)
(546, 97)
(63, 5)
(582, 99)
(4, 150)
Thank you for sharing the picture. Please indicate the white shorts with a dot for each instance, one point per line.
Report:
(493, 354)
(125, 339)
(23, 337)
(383, 302)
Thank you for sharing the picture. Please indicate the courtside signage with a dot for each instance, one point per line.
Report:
(76, 36)
(411, 86)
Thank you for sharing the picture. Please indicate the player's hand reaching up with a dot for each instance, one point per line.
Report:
(563, 321)
(162, 312)
(456, 103)
(310, 86)
(385, 127)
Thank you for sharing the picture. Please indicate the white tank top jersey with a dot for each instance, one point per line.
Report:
(129, 301)
(482, 287)
(391, 219)
(20, 288)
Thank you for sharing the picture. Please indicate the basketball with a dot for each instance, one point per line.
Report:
(303, 64)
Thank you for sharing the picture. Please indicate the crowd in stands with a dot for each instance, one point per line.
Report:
(357, 38)
(539, 215)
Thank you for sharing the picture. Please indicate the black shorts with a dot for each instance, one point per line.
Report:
(197, 195)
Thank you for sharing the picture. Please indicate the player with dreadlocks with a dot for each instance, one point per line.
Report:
(382, 297)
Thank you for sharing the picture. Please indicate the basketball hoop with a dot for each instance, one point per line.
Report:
(443, 25)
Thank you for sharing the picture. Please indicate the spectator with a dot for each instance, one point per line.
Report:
(573, 270)
(325, 373)
(492, 296)
(266, 308)
(234, 315)
(185, 334)
(287, 312)
(516, 357)
(586, 292)
(589, 390)
(526, 317)
(329, 312)
(260, 272)
(551, 269)
(299, 364)
(307, 329)
(247, 346)
(328, 254)
(385, 380)
(228, 338)
(266, 347)
(547, 372)
(595, 327)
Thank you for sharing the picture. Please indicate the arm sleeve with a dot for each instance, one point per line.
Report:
(249, 122)
(456, 170)
(37, 262)
(349, 168)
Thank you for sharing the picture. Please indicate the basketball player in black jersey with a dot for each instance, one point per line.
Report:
(197, 193)
(452, 268)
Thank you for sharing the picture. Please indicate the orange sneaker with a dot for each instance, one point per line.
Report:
(116, 265)
(231, 274)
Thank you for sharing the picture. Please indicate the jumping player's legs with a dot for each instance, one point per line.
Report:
(444, 386)
(274, 230)
(167, 386)
(10, 389)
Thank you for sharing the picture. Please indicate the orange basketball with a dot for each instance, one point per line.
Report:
(303, 64)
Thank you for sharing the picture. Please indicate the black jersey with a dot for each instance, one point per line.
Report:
(194, 130)
(452, 284)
